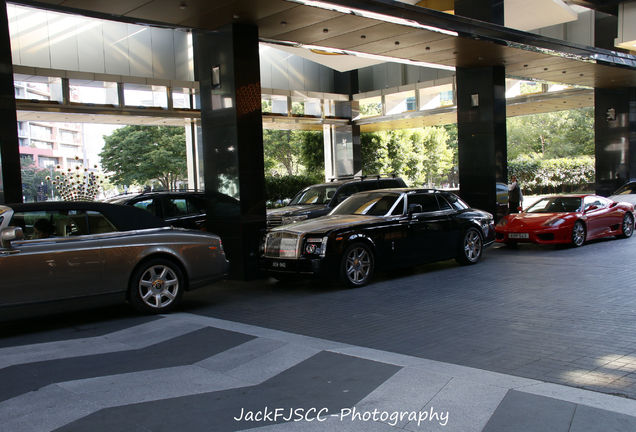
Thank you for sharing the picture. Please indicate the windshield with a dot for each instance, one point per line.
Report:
(370, 204)
(321, 194)
(555, 205)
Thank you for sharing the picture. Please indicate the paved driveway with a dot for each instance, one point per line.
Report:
(555, 314)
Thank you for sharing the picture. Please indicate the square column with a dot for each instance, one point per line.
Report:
(481, 127)
(10, 174)
(614, 137)
(227, 68)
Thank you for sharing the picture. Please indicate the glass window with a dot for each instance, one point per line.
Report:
(555, 205)
(315, 195)
(443, 204)
(427, 201)
(145, 95)
(181, 98)
(196, 205)
(455, 201)
(629, 188)
(593, 201)
(371, 106)
(175, 207)
(59, 223)
(47, 162)
(98, 224)
(148, 205)
(399, 208)
(400, 102)
(370, 204)
(346, 191)
(93, 92)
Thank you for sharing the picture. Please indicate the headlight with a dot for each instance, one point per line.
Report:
(291, 219)
(555, 221)
(503, 221)
(316, 246)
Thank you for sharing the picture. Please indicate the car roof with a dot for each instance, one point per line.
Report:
(125, 218)
(129, 196)
(354, 180)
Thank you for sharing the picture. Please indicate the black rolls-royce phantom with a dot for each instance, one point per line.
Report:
(382, 228)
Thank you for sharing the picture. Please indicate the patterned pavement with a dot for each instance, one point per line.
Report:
(194, 373)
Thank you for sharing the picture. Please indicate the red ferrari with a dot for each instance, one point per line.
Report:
(572, 219)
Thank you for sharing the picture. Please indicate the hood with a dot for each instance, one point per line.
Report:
(522, 220)
(295, 209)
(326, 223)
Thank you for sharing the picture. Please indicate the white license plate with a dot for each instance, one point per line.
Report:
(279, 264)
(518, 235)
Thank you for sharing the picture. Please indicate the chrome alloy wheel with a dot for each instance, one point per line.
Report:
(358, 265)
(628, 225)
(578, 234)
(472, 245)
(158, 286)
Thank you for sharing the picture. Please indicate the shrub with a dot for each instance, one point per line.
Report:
(541, 176)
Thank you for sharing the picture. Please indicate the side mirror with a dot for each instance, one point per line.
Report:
(414, 208)
(590, 208)
(10, 234)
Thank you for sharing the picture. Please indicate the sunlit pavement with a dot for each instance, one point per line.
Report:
(514, 343)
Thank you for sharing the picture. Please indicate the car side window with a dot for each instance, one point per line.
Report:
(399, 208)
(443, 204)
(427, 201)
(593, 201)
(196, 205)
(149, 205)
(345, 192)
(98, 224)
(174, 207)
(60, 223)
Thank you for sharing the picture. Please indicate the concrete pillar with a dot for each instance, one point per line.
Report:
(614, 137)
(481, 118)
(10, 174)
(227, 68)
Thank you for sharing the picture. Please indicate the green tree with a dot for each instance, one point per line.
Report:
(141, 154)
(35, 186)
(421, 155)
(552, 135)
(293, 152)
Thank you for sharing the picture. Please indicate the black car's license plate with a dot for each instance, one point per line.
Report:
(279, 264)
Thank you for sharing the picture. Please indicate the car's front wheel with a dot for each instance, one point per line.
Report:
(628, 226)
(156, 286)
(470, 248)
(357, 265)
(578, 234)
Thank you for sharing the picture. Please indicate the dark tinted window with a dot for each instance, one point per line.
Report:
(61, 223)
(455, 201)
(629, 188)
(399, 208)
(427, 201)
(443, 204)
(346, 191)
(149, 205)
(174, 207)
(196, 205)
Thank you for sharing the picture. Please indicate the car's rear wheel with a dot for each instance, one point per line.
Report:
(156, 286)
(470, 248)
(357, 265)
(578, 234)
(628, 226)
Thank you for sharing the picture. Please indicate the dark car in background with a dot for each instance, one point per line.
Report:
(379, 229)
(625, 193)
(66, 255)
(318, 200)
(184, 209)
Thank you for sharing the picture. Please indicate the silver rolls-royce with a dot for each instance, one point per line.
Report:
(56, 255)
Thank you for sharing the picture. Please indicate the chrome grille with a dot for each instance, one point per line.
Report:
(281, 245)
(274, 221)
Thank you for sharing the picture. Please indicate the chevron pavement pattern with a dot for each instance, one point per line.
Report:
(194, 373)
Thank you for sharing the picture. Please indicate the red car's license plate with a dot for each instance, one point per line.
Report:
(518, 235)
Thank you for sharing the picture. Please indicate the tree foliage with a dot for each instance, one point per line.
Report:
(422, 155)
(293, 152)
(538, 175)
(35, 186)
(142, 154)
(552, 135)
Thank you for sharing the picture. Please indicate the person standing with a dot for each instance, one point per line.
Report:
(515, 197)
